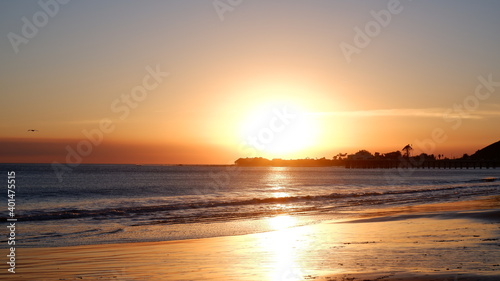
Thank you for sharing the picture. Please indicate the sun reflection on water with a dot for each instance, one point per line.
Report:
(285, 246)
(280, 194)
(281, 222)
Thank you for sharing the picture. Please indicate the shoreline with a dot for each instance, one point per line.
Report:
(443, 241)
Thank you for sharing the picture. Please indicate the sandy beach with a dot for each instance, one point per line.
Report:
(449, 241)
(249, 140)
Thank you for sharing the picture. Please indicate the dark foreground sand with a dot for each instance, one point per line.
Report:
(453, 241)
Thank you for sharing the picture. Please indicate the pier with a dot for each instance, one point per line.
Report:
(416, 164)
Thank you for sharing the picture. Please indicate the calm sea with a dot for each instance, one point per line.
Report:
(128, 203)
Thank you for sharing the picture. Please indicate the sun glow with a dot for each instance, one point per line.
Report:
(278, 129)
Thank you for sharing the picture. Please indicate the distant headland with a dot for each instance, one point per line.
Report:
(487, 157)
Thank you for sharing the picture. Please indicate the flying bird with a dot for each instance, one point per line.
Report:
(32, 130)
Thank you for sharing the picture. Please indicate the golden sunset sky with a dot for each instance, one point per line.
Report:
(207, 82)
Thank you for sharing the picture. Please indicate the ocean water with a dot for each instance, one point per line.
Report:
(128, 203)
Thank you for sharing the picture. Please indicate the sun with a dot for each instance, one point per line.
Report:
(278, 129)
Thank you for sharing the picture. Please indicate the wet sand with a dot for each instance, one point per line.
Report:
(452, 241)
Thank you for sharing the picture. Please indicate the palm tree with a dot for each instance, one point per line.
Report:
(407, 150)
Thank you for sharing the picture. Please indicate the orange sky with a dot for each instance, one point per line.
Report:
(176, 83)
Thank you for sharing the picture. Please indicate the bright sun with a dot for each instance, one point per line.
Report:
(278, 129)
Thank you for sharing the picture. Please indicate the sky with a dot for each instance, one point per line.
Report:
(207, 82)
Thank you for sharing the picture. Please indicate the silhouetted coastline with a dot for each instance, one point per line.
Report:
(487, 157)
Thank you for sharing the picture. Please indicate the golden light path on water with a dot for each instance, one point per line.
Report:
(284, 247)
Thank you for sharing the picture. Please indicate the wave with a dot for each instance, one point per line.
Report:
(203, 203)
(486, 179)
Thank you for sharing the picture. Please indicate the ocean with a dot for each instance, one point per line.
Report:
(97, 204)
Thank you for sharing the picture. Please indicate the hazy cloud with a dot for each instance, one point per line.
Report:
(412, 112)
